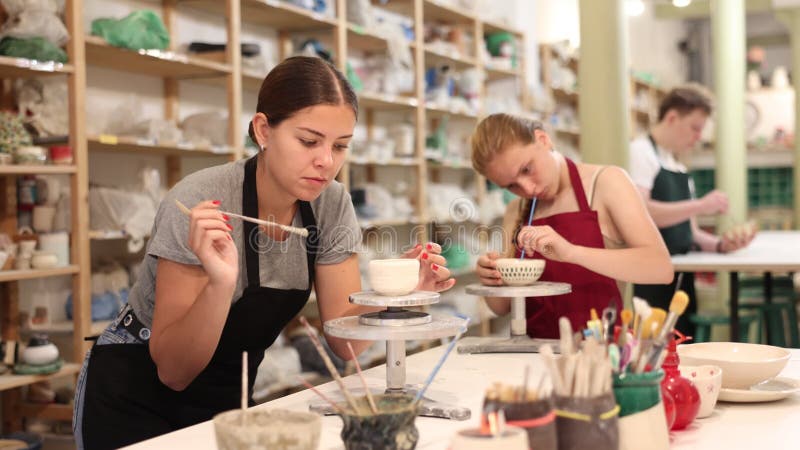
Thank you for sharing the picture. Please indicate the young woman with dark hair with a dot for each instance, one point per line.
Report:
(172, 358)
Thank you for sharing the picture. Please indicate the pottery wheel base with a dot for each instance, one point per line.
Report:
(428, 407)
(394, 317)
(514, 344)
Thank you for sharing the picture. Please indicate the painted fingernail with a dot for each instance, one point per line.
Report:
(229, 226)
(424, 256)
(429, 246)
(225, 217)
(216, 202)
(434, 267)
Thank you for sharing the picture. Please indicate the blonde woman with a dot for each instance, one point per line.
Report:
(589, 223)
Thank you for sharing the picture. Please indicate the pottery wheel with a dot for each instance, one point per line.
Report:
(351, 328)
(394, 317)
(372, 298)
(538, 289)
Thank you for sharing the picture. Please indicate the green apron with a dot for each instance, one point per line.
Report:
(670, 186)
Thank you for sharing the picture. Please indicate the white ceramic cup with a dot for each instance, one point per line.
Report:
(58, 244)
(708, 380)
(43, 216)
(394, 276)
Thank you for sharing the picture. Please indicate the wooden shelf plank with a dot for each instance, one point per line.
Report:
(48, 411)
(110, 144)
(566, 95)
(402, 162)
(494, 73)
(456, 165)
(15, 381)
(16, 275)
(436, 111)
(457, 62)
(367, 224)
(438, 11)
(65, 327)
(495, 27)
(371, 100)
(270, 13)
(36, 170)
(11, 67)
(158, 63)
(360, 38)
(251, 81)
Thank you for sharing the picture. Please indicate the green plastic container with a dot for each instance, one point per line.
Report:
(636, 392)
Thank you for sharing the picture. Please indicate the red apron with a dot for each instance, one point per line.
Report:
(589, 289)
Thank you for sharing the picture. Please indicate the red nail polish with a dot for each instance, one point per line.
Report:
(216, 202)
(424, 256)
(225, 217)
(434, 267)
(229, 226)
(429, 246)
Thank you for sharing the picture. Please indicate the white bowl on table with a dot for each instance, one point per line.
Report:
(394, 277)
(742, 364)
(519, 272)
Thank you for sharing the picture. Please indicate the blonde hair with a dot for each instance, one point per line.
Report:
(496, 132)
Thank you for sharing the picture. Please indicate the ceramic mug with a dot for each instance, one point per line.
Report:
(43, 216)
(273, 428)
(708, 380)
(44, 260)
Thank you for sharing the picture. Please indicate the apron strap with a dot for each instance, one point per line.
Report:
(577, 186)
(655, 149)
(250, 208)
(312, 241)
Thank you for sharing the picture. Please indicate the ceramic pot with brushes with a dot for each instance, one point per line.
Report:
(392, 428)
(587, 422)
(642, 415)
(682, 389)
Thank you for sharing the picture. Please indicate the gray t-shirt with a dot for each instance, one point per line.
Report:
(282, 264)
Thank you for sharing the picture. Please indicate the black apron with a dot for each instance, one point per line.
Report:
(670, 186)
(125, 402)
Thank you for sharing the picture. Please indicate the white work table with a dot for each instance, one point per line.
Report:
(770, 251)
(465, 377)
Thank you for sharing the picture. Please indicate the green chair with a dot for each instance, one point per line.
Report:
(780, 315)
(704, 322)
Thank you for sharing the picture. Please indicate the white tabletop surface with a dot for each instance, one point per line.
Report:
(770, 251)
(464, 378)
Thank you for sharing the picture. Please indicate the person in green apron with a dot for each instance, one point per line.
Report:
(668, 191)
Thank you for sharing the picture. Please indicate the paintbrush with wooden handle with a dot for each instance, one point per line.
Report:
(289, 229)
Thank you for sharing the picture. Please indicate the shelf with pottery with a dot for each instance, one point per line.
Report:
(387, 102)
(378, 223)
(401, 162)
(31, 169)
(30, 274)
(756, 158)
(111, 143)
(165, 64)
(449, 164)
(454, 59)
(270, 13)
(64, 326)
(26, 68)
(435, 111)
(498, 73)
(15, 381)
(360, 38)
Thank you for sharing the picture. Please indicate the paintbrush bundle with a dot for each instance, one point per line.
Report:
(530, 409)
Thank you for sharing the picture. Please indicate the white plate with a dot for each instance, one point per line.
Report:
(768, 391)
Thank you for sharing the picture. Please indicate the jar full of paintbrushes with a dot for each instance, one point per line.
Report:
(641, 417)
(530, 409)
